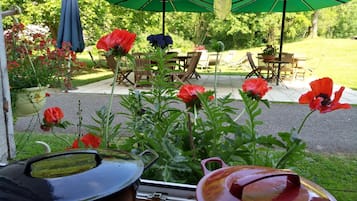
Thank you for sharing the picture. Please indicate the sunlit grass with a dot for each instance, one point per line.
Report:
(90, 76)
(334, 58)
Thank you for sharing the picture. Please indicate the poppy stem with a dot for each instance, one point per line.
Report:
(192, 143)
(195, 114)
(215, 79)
(61, 138)
(303, 122)
(109, 109)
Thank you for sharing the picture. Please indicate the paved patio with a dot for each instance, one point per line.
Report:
(287, 91)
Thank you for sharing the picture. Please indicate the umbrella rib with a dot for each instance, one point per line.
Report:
(119, 2)
(200, 5)
(307, 4)
(273, 6)
(243, 5)
(145, 4)
(173, 6)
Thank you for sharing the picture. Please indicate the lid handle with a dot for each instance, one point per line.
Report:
(152, 161)
(204, 163)
(236, 189)
(29, 162)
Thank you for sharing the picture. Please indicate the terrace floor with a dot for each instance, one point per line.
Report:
(287, 91)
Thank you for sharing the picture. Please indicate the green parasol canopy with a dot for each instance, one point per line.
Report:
(198, 6)
(170, 5)
(256, 6)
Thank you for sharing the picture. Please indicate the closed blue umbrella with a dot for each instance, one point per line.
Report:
(70, 28)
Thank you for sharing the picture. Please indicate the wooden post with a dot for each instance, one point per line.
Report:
(7, 142)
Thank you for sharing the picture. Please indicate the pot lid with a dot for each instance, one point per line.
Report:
(255, 183)
(71, 175)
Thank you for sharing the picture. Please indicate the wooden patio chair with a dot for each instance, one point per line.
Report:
(266, 70)
(189, 70)
(300, 68)
(142, 71)
(286, 70)
(124, 71)
(255, 70)
(203, 63)
(191, 55)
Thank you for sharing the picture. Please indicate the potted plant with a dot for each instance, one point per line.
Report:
(34, 64)
(269, 53)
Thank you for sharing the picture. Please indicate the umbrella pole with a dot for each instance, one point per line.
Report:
(163, 16)
(281, 40)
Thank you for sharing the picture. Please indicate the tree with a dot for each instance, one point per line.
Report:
(313, 28)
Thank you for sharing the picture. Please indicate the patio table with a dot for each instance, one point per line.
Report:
(276, 66)
(182, 60)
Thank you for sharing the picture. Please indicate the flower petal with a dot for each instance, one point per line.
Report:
(322, 86)
(257, 87)
(335, 105)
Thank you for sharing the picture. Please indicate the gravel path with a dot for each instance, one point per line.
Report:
(334, 132)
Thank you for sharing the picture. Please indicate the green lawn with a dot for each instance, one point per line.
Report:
(91, 75)
(334, 58)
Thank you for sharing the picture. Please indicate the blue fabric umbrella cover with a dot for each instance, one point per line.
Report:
(70, 28)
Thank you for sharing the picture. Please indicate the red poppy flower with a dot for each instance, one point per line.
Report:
(89, 140)
(53, 115)
(256, 87)
(75, 144)
(188, 92)
(121, 40)
(319, 98)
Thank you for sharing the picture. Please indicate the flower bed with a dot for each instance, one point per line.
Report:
(207, 127)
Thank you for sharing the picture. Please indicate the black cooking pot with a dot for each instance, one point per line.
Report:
(75, 175)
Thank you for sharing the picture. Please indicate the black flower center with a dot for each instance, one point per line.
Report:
(326, 99)
(253, 95)
(118, 50)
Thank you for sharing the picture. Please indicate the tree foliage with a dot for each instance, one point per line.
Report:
(237, 31)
